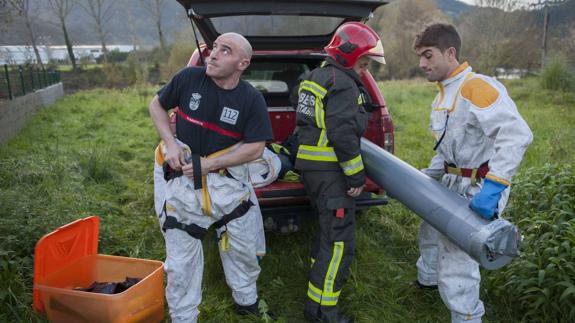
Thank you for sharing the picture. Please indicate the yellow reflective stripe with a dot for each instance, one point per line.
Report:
(330, 299)
(320, 297)
(314, 88)
(322, 141)
(314, 293)
(333, 267)
(322, 112)
(316, 153)
(352, 166)
(498, 179)
(318, 113)
(312, 262)
(360, 99)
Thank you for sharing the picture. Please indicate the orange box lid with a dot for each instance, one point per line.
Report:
(61, 247)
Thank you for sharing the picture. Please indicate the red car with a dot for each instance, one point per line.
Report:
(288, 38)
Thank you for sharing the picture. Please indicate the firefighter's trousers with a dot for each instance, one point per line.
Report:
(444, 264)
(333, 250)
(184, 253)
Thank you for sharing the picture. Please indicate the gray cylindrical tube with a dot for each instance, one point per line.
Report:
(491, 243)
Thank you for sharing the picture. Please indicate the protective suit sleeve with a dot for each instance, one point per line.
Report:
(499, 119)
(343, 130)
(436, 168)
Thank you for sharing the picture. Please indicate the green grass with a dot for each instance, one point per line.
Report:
(92, 154)
(68, 67)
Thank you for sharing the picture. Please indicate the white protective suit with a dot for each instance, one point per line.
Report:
(483, 125)
(265, 170)
(244, 240)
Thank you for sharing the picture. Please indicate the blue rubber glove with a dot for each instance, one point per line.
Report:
(485, 202)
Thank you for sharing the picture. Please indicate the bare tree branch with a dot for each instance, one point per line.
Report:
(101, 12)
(155, 8)
(23, 9)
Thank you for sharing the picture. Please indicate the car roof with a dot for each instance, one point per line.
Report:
(277, 24)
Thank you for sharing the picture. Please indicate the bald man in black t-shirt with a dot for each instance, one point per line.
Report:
(222, 124)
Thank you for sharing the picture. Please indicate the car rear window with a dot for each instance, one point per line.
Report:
(277, 25)
(274, 77)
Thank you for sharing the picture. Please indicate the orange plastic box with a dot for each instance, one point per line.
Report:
(67, 258)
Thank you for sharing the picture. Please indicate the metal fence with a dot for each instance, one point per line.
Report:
(19, 80)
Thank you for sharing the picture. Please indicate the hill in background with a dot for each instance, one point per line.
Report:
(131, 22)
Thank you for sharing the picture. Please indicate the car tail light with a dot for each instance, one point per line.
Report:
(388, 133)
(388, 142)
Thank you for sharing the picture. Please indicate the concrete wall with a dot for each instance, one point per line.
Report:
(15, 113)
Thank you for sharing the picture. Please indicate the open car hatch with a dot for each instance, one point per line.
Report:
(277, 25)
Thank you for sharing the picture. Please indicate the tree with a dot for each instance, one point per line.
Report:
(399, 22)
(101, 12)
(155, 8)
(62, 8)
(5, 14)
(26, 11)
(136, 58)
(499, 34)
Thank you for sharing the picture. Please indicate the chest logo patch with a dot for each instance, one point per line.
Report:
(195, 101)
(229, 115)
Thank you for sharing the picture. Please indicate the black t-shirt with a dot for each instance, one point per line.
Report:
(214, 118)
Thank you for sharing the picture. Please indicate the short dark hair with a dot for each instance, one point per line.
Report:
(439, 35)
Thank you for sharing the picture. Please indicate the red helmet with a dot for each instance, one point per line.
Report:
(353, 40)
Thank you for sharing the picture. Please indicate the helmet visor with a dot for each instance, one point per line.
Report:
(376, 53)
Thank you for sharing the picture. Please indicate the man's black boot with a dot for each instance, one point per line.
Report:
(254, 309)
(424, 287)
(318, 317)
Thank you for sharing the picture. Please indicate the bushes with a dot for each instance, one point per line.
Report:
(540, 285)
(114, 56)
(558, 75)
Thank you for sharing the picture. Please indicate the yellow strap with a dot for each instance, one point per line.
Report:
(498, 180)
(223, 151)
(206, 199)
(225, 242)
(454, 170)
(473, 176)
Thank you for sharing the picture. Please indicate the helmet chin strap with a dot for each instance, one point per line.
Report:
(341, 60)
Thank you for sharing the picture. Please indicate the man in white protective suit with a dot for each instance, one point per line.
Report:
(222, 123)
(480, 141)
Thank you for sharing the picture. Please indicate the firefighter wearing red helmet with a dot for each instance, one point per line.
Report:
(332, 114)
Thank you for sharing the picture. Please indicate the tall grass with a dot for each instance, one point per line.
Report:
(539, 286)
(558, 75)
(92, 153)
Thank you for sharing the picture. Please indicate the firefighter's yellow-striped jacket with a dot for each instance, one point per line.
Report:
(331, 119)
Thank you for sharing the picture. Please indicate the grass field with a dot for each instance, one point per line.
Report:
(92, 154)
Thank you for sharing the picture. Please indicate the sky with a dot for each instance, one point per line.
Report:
(523, 1)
